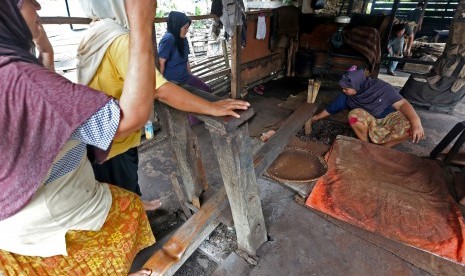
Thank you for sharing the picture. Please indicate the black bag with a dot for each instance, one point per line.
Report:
(438, 97)
(318, 4)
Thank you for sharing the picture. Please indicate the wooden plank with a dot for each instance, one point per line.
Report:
(260, 61)
(265, 71)
(64, 20)
(223, 72)
(184, 143)
(225, 53)
(235, 63)
(273, 147)
(234, 156)
(233, 151)
(410, 60)
(191, 17)
(205, 61)
(208, 69)
(188, 237)
(222, 124)
(85, 20)
(265, 5)
(179, 194)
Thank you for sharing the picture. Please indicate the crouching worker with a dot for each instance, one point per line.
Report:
(55, 218)
(378, 114)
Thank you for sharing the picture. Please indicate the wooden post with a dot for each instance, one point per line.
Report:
(225, 53)
(236, 63)
(155, 47)
(179, 194)
(453, 35)
(385, 39)
(422, 15)
(186, 150)
(233, 150)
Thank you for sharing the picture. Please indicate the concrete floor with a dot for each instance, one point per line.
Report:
(301, 242)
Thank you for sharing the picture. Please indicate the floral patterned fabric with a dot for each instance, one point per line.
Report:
(394, 126)
(109, 251)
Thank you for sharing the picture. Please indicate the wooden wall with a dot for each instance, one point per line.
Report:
(256, 48)
(258, 62)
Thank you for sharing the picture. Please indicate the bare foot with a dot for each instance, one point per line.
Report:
(151, 205)
(142, 272)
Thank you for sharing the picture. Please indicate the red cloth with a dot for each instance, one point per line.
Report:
(394, 194)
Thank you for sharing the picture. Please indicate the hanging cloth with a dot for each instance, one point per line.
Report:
(261, 27)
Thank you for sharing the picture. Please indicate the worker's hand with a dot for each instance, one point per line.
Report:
(227, 107)
(417, 133)
(407, 53)
(323, 114)
(141, 14)
(142, 272)
(45, 49)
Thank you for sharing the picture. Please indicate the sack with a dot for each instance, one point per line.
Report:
(318, 4)
(437, 97)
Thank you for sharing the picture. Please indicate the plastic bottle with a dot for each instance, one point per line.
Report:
(149, 130)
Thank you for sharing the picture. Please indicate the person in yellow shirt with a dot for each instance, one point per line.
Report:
(102, 65)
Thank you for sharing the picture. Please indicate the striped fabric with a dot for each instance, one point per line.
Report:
(366, 41)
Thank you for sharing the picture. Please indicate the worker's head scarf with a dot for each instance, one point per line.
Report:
(354, 79)
(15, 36)
(176, 20)
(106, 9)
(111, 21)
(373, 95)
(39, 112)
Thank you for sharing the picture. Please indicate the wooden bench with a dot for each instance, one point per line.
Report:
(231, 143)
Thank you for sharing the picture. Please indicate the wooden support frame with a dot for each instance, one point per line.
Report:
(235, 63)
(232, 146)
(229, 134)
(185, 147)
(233, 151)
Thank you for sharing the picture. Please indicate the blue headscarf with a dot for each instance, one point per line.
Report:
(15, 36)
(175, 22)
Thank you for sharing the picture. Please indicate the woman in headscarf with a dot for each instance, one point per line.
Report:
(55, 218)
(173, 53)
(378, 114)
(102, 64)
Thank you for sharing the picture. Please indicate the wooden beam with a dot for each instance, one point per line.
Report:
(192, 17)
(233, 151)
(225, 53)
(85, 20)
(223, 72)
(185, 146)
(256, 62)
(273, 147)
(236, 166)
(235, 63)
(265, 5)
(179, 194)
(188, 237)
(64, 20)
(410, 60)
